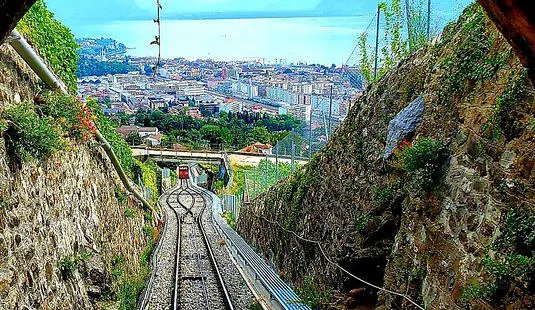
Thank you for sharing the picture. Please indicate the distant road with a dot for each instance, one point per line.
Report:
(242, 159)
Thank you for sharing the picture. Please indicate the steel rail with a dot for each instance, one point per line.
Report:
(197, 254)
(228, 301)
(178, 249)
(279, 292)
(219, 278)
(148, 288)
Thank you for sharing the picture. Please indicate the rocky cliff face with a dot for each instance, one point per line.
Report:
(448, 218)
(70, 238)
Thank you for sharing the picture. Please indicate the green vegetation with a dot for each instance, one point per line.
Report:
(362, 221)
(3, 126)
(121, 196)
(509, 264)
(261, 178)
(477, 291)
(229, 217)
(313, 294)
(512, 266)
(54, 42)
(424, 153)
(89, 67)
(150, 234)
(238, 182)
(3, 203)
(503, 120)
(402, 34)
(71, 115)
(129, 213)
(30, 136)
(174, 177)
(518, 231)
(422, 162)
(476, 56)
(119, 146)
(148, 171)
(232, 130)
(130, 288)
(255, 305)
(130, 285)
(150, 174)
(68, 264)
(383, 196)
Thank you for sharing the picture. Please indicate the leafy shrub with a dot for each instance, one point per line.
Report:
(422, 161)
(150, 234)
(383, 196)
(477, 291)
(513, 266)
(120, 147)
(73, 117)
(68, 264)
(361, 221)
(3, 126)
(147, 216)
(129, 213)
(229, 217)
(425, 153)
(54, 42)
(29, 136)
(149, 172)
(130, 288)
(312, 294)
(121, 196)
(518, 232)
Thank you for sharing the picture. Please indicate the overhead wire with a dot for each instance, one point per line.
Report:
(328, 259)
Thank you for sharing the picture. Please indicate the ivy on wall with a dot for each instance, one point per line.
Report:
(53, 41)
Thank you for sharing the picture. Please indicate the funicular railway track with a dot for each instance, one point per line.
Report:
(196, 281)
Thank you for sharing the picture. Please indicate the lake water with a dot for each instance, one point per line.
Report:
(324, 40)
(314, 40)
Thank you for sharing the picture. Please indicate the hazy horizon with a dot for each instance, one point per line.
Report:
(318, 33)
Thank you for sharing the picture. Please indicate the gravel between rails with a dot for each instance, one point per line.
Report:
(160, 294)
(236, 285)
(195, 262)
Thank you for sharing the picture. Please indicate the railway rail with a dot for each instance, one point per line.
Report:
(197, 282)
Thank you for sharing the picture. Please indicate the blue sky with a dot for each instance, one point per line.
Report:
(70, 11)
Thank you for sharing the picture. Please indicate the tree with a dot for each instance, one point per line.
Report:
(134, 139)
(216, 135)
(259, 134)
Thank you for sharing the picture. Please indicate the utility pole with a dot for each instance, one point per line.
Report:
(428, 20)
(277, 162)
(408, 11)
(377, 41)
(330, 110)
(266, 181)
(293, 152)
